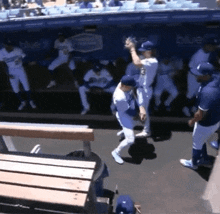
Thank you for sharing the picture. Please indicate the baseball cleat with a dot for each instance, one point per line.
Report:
(188, 164)
(84, 111)
(117, 157)
(22, 105)
(215, 144)
(32, 104)
(143, 134)
(51, 84)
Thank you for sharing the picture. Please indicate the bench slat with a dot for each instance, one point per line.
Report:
(43, 195)
(46, 131)
(44, 181)
(46, 170)
(48, 161)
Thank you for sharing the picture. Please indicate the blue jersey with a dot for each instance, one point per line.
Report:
(209, 101)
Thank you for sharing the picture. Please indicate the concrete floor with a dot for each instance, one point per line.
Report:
(152, 176)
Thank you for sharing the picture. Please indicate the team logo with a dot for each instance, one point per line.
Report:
(86, 42)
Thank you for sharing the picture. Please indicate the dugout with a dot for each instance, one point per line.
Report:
(101, 36)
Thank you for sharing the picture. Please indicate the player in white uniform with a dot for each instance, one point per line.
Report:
(13, 56)
(126, 110)
(148, 69)
(165, 83)
(64, 47)
(206, 120)
(202, 55)
(99, 78)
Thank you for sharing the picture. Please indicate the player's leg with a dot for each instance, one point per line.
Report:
(173, 93)
(24, 81)
(192, 90)
(72, 67)
(158, 90)
(14, 81)
(147, 129)
(128, 141)
(199, 152)
(83, 97)
(57, 62)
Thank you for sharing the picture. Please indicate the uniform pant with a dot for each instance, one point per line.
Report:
(83, 96)
(59, 61)
(18, 76)
(202, 133)
(144, 96)
(165, 83)
(192, 86)
(128, 133)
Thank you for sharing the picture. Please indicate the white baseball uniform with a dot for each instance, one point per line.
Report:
(91, 80)
(16, 70)
(165, 83)
(126, 110)
(146, 80)
(192, 83)
(64, 49)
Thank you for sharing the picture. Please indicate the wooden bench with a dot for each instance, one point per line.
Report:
(43, 181)
(52, 131)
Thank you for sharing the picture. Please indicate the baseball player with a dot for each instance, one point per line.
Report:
(202, 55)
(99, 78)
(126, 110)
(148, 69)
(64, 47)
(13, 56)
(165, 82)
(206, 120)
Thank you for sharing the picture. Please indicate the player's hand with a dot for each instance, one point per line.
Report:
(142, 113)
(142, 116)
(191, 122)
(17, 61)
(129, 43)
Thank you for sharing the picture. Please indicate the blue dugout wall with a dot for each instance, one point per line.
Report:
(178, 33)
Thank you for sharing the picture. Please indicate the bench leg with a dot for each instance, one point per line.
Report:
(91, 207)
(87, 148)
(9, 143)
(3, 147)
(6, 144)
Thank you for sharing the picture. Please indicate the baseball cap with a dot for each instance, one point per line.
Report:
(125, 205)
(128, 80)
(7, 41)
(146, 46)
(204, 68)
(211, 40)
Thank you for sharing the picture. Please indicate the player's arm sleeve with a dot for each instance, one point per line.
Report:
(123, 107)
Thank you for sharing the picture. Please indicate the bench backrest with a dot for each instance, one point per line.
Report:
(53, 131)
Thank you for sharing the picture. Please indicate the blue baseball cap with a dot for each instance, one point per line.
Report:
(8, 41)
(128, 80)
(146, 46)
(204, 68)
(125, 205)
(211, 40)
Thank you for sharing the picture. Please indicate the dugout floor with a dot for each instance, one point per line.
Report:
(151, 174)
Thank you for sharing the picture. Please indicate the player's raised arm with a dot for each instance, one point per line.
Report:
(130, 44)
